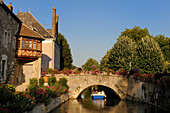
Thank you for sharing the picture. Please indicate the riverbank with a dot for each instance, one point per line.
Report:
(42, 108)
(148, 93)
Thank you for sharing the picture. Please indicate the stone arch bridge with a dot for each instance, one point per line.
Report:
(121, 85)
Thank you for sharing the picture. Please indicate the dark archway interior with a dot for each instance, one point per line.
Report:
(111, 96)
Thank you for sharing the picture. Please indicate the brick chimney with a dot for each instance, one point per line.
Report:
(10, 7)
(54, 22)
(56, 25)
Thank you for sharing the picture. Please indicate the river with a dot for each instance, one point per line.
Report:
(104, 106)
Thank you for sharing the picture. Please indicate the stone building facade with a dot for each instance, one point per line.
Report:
(20, 49)
(9, 27)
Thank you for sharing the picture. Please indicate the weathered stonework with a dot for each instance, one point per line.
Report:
(126, 88)
(53, 104)
(150, 93)
(78, 83)
(9, 26)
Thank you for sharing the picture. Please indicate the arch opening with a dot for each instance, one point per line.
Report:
(111, 96)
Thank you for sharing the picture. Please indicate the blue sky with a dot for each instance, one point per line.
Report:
(91, 27)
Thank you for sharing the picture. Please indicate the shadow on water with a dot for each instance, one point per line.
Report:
(112, 104)
(98, 106)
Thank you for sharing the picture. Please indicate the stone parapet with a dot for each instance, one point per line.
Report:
(53, 104)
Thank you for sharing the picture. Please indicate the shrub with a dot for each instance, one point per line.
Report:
(56, 71)
(50, 71)
(41, 82)
(63, 82)
(109, 71)
(51, 81)
(14, 102)
(23, 101)
(121, 71)
(41, 96)
(55, 90)
(77, 70)
(6, 94)
(67, 71)
(43, 71)
(33, 84)
(164, 81)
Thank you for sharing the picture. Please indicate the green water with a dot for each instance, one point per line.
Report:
(105, 106)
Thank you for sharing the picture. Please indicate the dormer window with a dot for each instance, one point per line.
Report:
(34, 29)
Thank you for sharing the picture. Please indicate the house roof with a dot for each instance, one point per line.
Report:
(7, 9)
(28, 32)
(29, 20)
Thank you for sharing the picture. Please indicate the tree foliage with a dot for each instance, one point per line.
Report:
(66, 56)
(90, 62)
(104, 61)
(122, 53)
(136, 33)
(164, 43)
(141, 49)
(150, 57)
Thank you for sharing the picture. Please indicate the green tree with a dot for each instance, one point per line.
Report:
(66, 56)
(150, 57)
(104, 61)
(164, 43)
(136, 33)
(122, 54)
(89, 63)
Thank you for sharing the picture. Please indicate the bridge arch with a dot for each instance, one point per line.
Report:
(109, 92)
(78, 83)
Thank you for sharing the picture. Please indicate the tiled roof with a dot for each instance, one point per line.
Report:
(26, 31)
(29, 20)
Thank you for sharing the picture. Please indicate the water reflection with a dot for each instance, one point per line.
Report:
(99, 106)
(99, 103)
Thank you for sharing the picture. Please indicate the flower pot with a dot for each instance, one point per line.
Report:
(45, 79)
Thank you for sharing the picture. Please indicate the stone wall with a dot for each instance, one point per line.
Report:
(149, 93)
(32, 70)
(9, 26)
(78, 83)
(53, 104)
(126, 88)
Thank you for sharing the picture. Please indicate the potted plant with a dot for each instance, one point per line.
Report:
(45, 77)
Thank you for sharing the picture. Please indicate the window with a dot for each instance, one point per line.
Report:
(30, 44)
(3, 67)
(26, 44)
(34, 44)
(38, 45)
(14, 43)
(23, 43)
(9, 38)
(5, 38)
